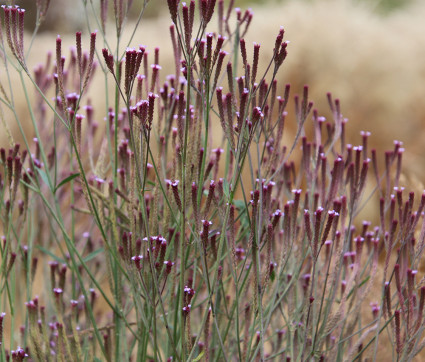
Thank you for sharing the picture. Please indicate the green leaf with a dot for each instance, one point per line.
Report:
(360, 285)
(149, 182)
(44, 177)
(239, 204)
(243, 212)
(93, 254)
(48, 252)
(66, 180)
(226, 188)
(272, 275)
(198, 358)
(30, 186)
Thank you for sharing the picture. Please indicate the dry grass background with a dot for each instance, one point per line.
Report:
(374, 63)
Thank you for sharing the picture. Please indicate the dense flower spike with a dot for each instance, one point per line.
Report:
(14, 27)
(172, 6)
(109, 60)
(207, 10)
(133, 60)
(2, 315)
(103, 13)
(90, 63)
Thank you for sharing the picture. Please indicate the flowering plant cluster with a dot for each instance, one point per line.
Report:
(192, 225)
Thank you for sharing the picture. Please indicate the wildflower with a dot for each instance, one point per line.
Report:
(186, 309)
(137, 261)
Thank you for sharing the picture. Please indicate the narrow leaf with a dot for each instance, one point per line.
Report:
(66, 180)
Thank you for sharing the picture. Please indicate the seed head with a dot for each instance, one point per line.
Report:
(172, 7)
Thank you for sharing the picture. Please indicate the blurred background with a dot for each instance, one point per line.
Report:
(368, 53)
(64, 15)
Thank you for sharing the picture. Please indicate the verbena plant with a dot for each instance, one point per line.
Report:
(186, 228)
